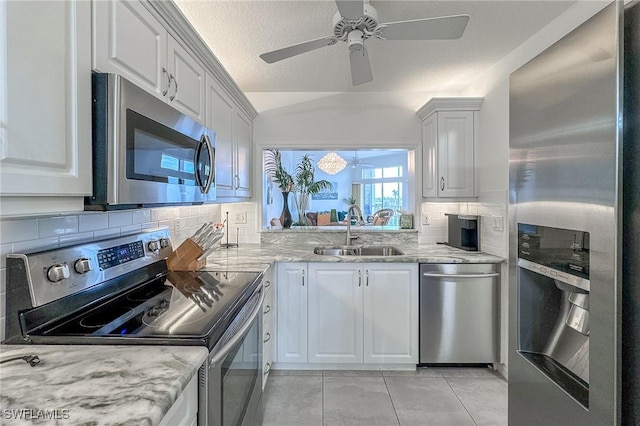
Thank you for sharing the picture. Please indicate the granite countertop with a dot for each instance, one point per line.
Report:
(258, 257)
(97, 385)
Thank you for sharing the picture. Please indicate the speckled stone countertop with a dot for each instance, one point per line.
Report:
(257, 257)
(95, 385)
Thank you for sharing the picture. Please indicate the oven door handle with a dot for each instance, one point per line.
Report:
(240, 334)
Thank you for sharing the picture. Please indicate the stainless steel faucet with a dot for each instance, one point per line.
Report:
(357, 210)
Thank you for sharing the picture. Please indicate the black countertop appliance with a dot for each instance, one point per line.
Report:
(463, 232)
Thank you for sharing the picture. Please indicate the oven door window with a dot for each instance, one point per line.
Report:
(240, 371)
(158, 153)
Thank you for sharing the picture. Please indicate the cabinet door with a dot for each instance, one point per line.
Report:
(455, 154)
(429, 156)
(243, 150)
(291, 296)
(187, 81)
(391, 313)
(45, 99)
(335, 313)
(220, 114)
(129, 41)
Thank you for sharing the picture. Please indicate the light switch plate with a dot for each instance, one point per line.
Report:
(497, 223)
(241, 217)
(425, 219)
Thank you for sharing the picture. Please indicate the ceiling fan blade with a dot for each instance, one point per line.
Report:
(297, 49)
(441, 28)
(360, 67)
(350, 9)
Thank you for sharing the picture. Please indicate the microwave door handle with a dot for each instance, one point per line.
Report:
(212, 158)
(240, 334)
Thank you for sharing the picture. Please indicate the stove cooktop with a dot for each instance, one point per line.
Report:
(175, 307)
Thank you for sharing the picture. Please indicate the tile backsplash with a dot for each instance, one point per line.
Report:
(492, 210)
(21, 235)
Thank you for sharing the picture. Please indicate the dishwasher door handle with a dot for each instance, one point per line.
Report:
(481, 275)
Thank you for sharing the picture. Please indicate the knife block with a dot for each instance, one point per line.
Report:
(185, 257)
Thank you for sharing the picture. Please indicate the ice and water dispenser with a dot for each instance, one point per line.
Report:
(553, 305)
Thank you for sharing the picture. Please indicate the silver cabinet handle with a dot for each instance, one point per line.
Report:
(171, 77)
(237, 181)
(165, 91)
(442, 183)
(267, 310)
(267, 284)
(367, 278)
(267, 338)
(359, 278)
(303, 278)
(481, 275)
(268, 369)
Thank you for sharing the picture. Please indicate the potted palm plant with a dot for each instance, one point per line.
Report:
(305, 185)
(274, 168)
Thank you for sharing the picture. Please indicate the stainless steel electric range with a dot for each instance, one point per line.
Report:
(119, 291)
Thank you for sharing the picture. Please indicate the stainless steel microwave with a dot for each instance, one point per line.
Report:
(145, 152)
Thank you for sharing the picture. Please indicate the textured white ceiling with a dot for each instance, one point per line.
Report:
(239, 31)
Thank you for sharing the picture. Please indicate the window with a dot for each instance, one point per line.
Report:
(384, 187)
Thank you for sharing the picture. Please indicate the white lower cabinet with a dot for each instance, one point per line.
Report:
(184, 412)
(391, 313)
(335, 312)
(291, 299)
(354, 313)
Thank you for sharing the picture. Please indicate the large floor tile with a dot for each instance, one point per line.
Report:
(352, 373)
(293, 401)
(357, 401)
(418, 372)
(426, 401)
(295, 373)
(486, 400)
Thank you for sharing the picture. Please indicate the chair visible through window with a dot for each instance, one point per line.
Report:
(382, 216)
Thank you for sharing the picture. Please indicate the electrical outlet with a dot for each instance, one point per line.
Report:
(177, 224)
(241, 217)
(497, 223)
(425, 219)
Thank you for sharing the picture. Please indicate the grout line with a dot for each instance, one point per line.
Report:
(391, 399)
(461, 403)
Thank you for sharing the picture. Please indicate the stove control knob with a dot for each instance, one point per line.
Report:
(82, 266)
(154, 245)
(58, 272)
(164, 242)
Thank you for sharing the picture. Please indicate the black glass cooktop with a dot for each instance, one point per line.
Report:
(187, 305)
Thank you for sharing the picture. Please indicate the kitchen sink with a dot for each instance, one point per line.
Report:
(358, 251)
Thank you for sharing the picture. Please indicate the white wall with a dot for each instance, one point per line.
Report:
(340, 120)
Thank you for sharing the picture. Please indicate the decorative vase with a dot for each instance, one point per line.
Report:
(285, 216)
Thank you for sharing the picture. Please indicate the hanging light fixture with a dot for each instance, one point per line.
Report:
(332, 163)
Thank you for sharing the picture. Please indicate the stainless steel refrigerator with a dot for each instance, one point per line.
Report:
(574, 214)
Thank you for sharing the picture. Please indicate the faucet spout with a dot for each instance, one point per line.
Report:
(358, 212)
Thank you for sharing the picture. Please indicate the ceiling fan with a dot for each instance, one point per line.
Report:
(357, 21)
(357, 162)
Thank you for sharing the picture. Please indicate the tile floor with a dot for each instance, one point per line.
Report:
(427, 396)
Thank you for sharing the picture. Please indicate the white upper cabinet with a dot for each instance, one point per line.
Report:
(220, 117)
(243, 152)
(234, 142)
(45, 103)
(130, 41)
(449, 137)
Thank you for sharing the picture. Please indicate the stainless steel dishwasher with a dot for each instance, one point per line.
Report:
(458, 313)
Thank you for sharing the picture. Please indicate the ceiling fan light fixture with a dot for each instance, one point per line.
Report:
(332, 163)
